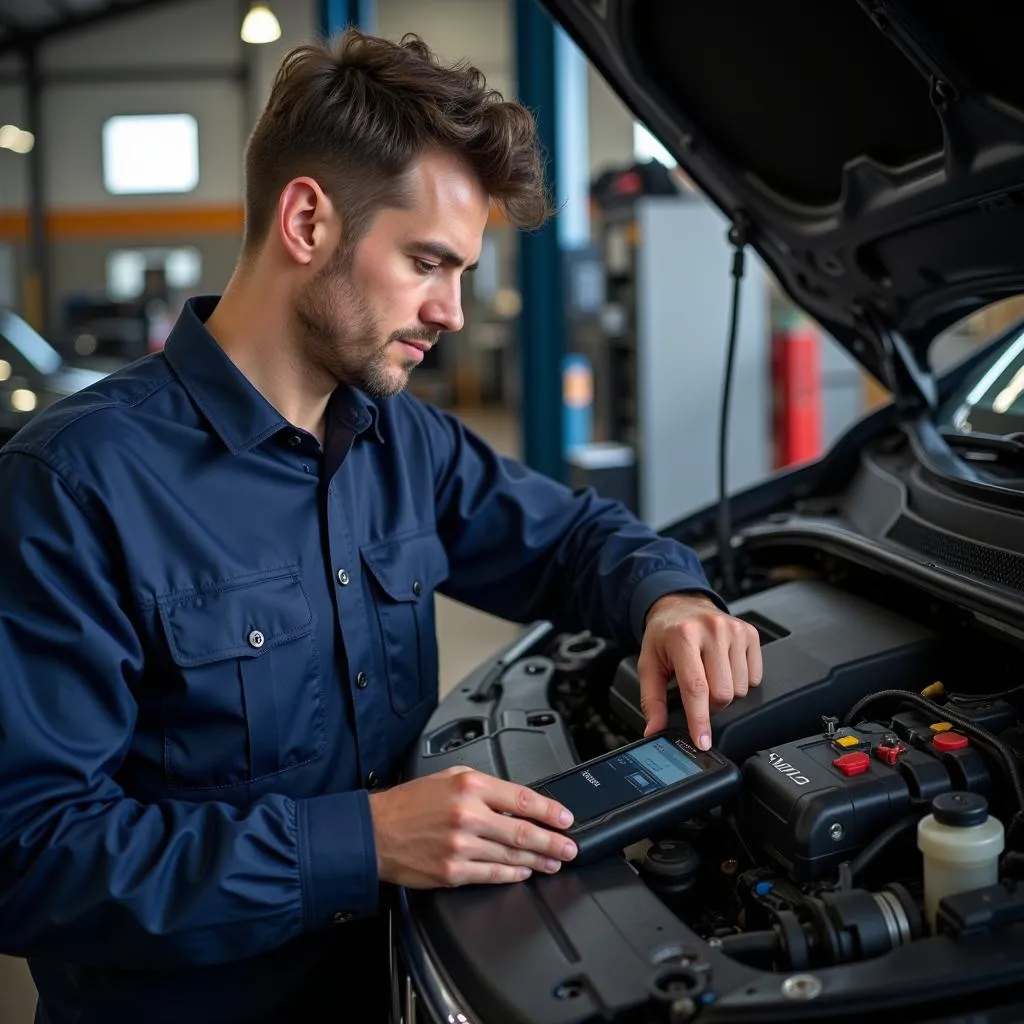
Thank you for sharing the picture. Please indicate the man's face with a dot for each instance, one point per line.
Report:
(370, 322)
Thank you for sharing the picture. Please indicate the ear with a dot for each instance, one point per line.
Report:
(306, 221)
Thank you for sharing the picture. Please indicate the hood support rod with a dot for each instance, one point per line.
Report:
(738, 239)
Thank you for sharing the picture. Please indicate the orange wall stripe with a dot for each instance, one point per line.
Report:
(63, 225)
(100, 224)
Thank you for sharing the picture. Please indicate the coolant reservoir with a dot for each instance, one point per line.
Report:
(961, 845)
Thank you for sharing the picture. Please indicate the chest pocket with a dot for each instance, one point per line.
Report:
(404, 574)
(245, 701)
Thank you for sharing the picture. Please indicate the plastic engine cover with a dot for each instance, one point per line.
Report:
(823, 650)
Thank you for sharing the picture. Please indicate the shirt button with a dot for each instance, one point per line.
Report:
(294, 440)
(256, 639)
(343, 577)
(416, 588)
(361, 680)
(343, 917)
(372, 780)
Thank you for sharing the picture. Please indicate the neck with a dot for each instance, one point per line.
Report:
(252, 324)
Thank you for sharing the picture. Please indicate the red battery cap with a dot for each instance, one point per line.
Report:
(853, 764)
(946, 741)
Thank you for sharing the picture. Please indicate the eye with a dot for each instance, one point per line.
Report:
(424, 266)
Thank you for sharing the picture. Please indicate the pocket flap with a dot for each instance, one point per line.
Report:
(407, 568)
(242, 618)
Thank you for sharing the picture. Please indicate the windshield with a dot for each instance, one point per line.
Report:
(992, 399)
(24, 347)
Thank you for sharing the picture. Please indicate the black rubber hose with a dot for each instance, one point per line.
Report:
(985, 738)
(763, 943)
(882, 840)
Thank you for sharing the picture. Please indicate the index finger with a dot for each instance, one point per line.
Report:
(523, 802)
(694, 691)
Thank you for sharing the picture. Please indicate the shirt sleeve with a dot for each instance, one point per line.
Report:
(88, 874)
(525, 547)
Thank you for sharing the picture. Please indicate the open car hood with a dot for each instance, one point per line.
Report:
(873, 148)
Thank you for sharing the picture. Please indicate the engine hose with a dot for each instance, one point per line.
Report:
(969, 728)
(763, 943)
(882, 840)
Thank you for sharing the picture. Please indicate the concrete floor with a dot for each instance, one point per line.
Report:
(466, 638)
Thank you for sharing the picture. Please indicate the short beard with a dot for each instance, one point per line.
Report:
(342, 337)
(350, 353)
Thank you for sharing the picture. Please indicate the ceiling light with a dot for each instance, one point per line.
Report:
(260, 25)
(23, 400)
(1009, 394)
(16, 139)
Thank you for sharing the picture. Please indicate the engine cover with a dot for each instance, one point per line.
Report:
(816, 802)
(823, 650)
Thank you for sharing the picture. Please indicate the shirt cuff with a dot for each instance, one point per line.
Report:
(659, 584)
(337, 858)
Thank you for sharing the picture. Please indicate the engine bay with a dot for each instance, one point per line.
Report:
(810, 893)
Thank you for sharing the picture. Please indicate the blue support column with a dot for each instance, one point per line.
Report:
(551, 81)
(337, 15)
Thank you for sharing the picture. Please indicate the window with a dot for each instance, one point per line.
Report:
(647, 147)
(150, 153)
(991, 401)
(127, 268)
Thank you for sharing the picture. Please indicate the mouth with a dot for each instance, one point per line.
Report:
(414, 348)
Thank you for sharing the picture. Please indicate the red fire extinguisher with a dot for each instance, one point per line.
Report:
(796, 389)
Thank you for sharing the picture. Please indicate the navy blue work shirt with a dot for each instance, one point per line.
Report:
(216, 637)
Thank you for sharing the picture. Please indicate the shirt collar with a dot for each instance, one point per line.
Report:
(239, 414)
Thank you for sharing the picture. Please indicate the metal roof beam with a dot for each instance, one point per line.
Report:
(29, 39)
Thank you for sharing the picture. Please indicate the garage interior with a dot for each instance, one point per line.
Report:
(590, 349)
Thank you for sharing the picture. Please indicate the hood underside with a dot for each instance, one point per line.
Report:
(875, 149)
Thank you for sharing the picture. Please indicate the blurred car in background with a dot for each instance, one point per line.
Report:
(34, 375)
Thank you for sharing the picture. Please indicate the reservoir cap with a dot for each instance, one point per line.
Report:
(960, 810)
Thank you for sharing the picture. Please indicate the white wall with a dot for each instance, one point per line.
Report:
(611, 126)
(192, 34)
(13, 168)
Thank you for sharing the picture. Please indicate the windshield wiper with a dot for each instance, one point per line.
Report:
(985, 447)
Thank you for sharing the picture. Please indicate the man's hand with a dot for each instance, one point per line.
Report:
(713, 656)
(456, 828)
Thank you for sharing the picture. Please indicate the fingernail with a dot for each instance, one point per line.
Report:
(704, 742)
(551, 866)
(569, 851)
(524, 874)
(564, 819)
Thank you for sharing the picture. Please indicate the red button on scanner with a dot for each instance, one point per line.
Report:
(852, 764)
(946, 741)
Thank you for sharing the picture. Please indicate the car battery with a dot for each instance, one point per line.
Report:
(817, 802)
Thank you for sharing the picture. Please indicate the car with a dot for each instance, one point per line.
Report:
(872, 154)
(34, 375)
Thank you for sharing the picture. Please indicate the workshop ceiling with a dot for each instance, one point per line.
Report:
(24, 23)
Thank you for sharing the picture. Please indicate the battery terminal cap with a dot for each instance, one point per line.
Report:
(852, 764)
(945, 742)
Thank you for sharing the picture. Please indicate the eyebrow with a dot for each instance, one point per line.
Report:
(447, 256)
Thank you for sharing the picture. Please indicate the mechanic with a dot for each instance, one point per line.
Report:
(216, 608)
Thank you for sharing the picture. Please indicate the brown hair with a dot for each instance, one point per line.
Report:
(355, 114)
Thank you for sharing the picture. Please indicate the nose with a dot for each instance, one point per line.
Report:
(444, 307)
